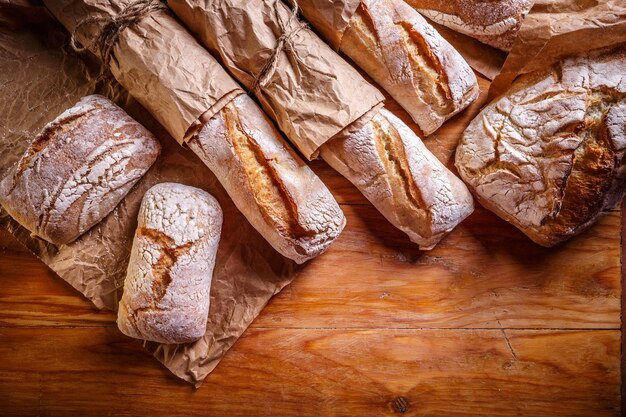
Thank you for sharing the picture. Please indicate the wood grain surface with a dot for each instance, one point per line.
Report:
(486, 324)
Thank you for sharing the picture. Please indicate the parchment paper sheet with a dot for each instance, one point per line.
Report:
(39, 78)
(312, 95)
(555, 29)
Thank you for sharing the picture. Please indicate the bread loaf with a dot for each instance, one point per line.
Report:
(168, 282)
(277, 192)
(494, 22)
(548, 156)
(391, 166)
(77, 170)
(405, 55)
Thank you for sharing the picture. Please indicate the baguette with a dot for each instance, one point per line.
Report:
(548, 156)
(77, 170)
(168, 282)
(391, 166)
(277, 192)
(494, 22)
(405, 55)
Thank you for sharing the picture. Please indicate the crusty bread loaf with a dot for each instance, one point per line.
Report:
(405, 55)
(77, 170)
(168, 282)
(391, 166)
(277, 192)
(494, 22)
(548, 156)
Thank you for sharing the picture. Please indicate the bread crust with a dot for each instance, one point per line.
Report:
(168, 282)
(548, 156)
(405, 55)
(494, 22)
(77, 170)
(277, 192)
(391, 166)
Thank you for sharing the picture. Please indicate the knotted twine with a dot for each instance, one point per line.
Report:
(106, 40)
(113, 27)
(289, 29)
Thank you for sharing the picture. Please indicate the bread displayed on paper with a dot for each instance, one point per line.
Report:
(168, 281)
(163, 66)
(77, 170)
(548, 156)
(402, 52)
(494, 22)
(325, 106)
(276, 191)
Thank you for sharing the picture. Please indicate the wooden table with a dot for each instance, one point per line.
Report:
(487, 324)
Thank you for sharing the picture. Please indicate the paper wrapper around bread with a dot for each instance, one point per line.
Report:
(331, 18)
(312, 94)
(555, 29)
(189, 82)
(43, 79)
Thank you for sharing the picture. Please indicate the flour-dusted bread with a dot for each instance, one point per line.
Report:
(406, 56)
(548, 156)
(494, 22)
(277, 192)
(168, 282)
(77, 170)
(391, 166)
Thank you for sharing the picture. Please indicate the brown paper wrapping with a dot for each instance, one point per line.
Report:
(177, 81)
(555, 29)
(44, 79)
(331, 18)
(313, 94)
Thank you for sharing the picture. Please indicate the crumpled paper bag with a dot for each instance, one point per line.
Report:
(42, 77)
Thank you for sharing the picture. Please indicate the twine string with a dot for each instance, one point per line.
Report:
(113, 27)
(289, 29)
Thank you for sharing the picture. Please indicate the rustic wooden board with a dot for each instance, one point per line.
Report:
(487, 324)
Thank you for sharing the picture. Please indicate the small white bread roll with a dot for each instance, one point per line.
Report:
(168, 281)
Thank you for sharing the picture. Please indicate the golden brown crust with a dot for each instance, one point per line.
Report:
(390, 165)
(409, 59)
(276, 191)
(548, 156)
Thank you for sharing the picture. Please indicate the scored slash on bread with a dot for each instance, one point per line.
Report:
(77, 170)
(548, 156)
(391, 166)
(168, 282)
(406, 56)
(277, 192)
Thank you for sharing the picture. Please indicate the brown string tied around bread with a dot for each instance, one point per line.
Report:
(113, 27)
(289, 29)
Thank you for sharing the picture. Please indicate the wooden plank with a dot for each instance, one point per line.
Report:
(320, 372)
(484, 274)
(32, 295)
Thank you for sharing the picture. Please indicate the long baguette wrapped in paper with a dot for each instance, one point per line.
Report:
(157, 61)
(323, 104)
(309, 90)
(193, 97)
(404, 54)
